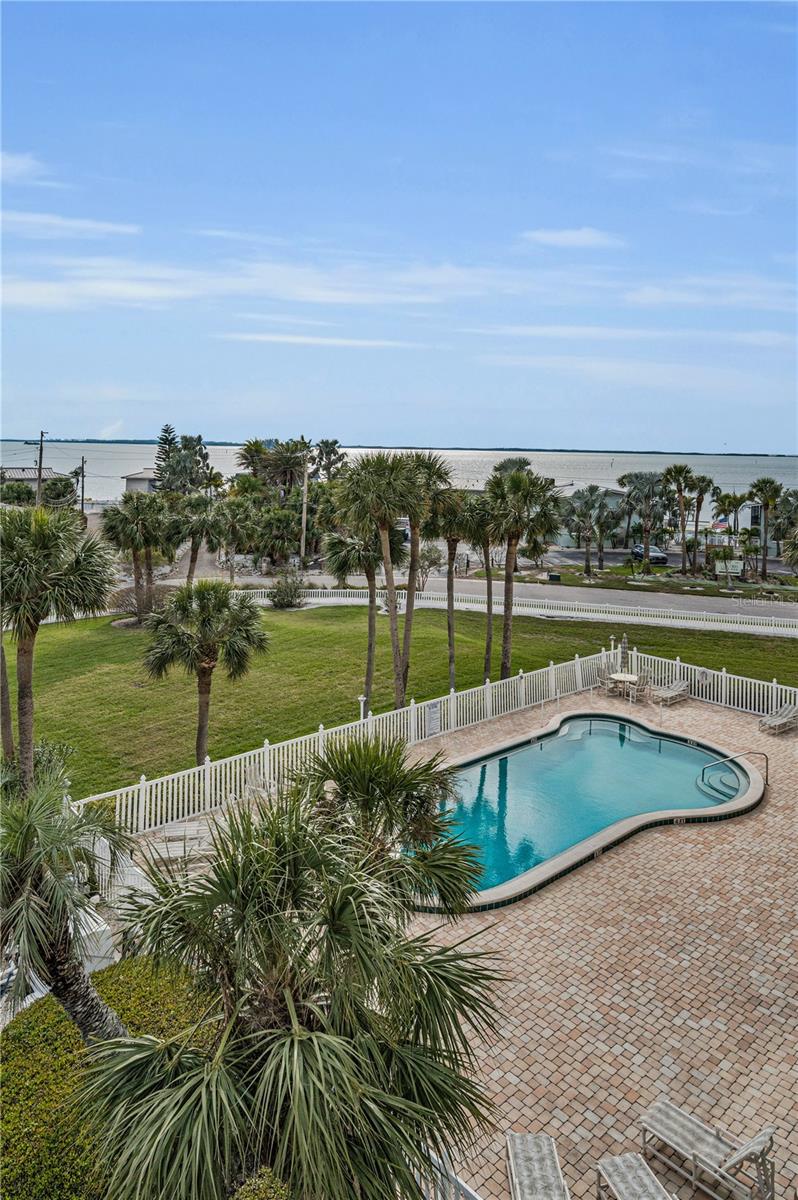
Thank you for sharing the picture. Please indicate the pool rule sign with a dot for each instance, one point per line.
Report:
(433, 718)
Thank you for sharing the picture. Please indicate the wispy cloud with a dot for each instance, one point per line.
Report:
(26, 169)
(635, 373)
(49, 226)
(764, 338)
(584, 238)
(753, 292)
(741, 158)
(283, 319)
(306, 339)
(703, 208)
(238, 235)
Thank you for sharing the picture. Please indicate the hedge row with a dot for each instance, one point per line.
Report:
(46, 1154)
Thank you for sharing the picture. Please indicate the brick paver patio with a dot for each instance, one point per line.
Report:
(667, 966)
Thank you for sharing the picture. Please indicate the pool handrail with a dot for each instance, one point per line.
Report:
(733, 757)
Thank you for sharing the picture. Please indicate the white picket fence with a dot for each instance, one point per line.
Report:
(153, 803)
(682, 618)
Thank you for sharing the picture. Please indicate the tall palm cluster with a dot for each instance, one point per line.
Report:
(676, 498)
(372, 496)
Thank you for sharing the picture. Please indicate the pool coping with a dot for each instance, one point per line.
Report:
(525, 884)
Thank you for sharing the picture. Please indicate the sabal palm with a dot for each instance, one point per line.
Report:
(522, 504)
(433, 477)
(445, 520)
(375, 492)
(335, 1047)
(702, 487)
(232, 531)
(767, 492)
(129, 527)
(48, 568)
(477, 530)
(48, 869)
(645, 490)
(252, 456)
(197, 519)
(680, 477)
(275, 534)
(626, 506)
(201, 627)
(581, 509)
(348, 553)
(605, 521)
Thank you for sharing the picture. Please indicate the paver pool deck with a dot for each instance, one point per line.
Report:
(667, 966)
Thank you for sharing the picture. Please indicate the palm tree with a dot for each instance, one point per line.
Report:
(6, 723)
(680, 477)
(128, 527)
(232, 530)
(375, 492)
(626, 507)
(522, 504)
(347, 553)
(605, 521)
(702, 487)
(252, 456)
(785, 515)
(48, 568)
(445, 520)
(48, 868)
(197, 519)
(476, 522)
(275, 534)
(201, 626)
(645, 489)
(581, 509)
(297, 928)
(790, 549)
(767, 492)
(433, 477)
(328, 458)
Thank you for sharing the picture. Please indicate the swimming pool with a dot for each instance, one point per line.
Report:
(527, 805)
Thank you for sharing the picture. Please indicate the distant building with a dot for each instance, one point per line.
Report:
(28, 474)
(140, 481)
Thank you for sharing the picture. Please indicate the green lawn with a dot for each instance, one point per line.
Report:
(91, 690)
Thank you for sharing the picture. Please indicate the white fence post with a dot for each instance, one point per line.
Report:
(206, 778)
(267, 766)
(519, 688)
(413, 722)
(370, 723)
(320, 742)
(452, 709)
(142, 803)
(488, 699)
(578, 672)
(724, 688)
(551, 680)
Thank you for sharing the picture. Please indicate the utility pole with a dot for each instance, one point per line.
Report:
(42, 433)
(82, 483)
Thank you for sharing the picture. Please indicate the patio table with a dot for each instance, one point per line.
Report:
(625, 679)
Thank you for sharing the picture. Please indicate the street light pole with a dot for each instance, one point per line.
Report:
(82, 484)
(42, 432)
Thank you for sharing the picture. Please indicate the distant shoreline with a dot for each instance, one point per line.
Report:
(473, 449)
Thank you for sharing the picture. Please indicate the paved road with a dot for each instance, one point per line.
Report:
(207, 568)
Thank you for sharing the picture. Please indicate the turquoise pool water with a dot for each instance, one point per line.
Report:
(528, 804)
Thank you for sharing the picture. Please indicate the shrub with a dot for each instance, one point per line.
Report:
(123, 599)
(285, 593)
(46, 1153)
(49, 758)
(263, 1185)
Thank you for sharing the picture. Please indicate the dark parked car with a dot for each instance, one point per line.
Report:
(657, 557)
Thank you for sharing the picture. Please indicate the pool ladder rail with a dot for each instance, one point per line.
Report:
(712, 788)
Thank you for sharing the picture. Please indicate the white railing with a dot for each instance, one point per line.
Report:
(773, 622)
(441, 1183)
(153, 803)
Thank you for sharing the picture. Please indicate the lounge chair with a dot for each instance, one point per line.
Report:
(671, 693)
(711, 1159)
(637, 691)
(781, 720)
(534, 1168)
(628, 1177)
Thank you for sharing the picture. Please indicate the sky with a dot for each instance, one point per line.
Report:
(481, 224)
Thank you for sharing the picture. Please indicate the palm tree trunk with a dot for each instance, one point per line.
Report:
(646, 545)
(683, 529)
(600, 552)
(9, 750)
(372, 636)
(451, 546)
(698, 503)
(149, 578)
(765, 515)
(588, 565)
(410, 602)
(25, 648)
(192, 559)
(138, 585)
(489, 610)
(231, 563)
(204, 677)
(629, 516)
(393, 620)
(507, 624)
(77, 995)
